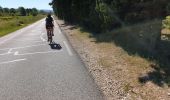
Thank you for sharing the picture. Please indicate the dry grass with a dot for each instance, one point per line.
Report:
(110, 54)
(12, 23)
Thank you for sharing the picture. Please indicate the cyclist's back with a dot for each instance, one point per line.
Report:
(49, 28)
(49, 22)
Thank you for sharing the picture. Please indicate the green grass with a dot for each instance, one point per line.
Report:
(10, 24)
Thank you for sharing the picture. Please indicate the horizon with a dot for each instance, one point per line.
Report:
(44, 5)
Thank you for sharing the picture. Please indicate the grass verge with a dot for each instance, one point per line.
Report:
(10, 24)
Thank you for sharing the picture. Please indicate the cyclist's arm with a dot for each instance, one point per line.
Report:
(53, 21)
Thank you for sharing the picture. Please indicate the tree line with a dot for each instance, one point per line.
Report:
(21, 11)
(102, 15)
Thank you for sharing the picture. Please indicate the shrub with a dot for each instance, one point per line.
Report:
(166, 22)
(168, 8)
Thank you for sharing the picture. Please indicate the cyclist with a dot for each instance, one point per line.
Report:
(49, 27)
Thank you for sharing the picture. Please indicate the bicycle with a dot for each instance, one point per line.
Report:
(50, 34)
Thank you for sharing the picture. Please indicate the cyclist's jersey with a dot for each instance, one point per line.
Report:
(49, 22)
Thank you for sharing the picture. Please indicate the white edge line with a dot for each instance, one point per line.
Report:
(13, 36)
(17, 60)
(68, 49)
(18, 32)
(58, 28)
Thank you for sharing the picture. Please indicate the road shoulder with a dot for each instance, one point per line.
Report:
(112, 89)
(115, 72)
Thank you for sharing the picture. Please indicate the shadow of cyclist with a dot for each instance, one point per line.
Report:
(56, 46)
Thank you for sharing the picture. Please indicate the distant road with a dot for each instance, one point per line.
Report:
(31, 70)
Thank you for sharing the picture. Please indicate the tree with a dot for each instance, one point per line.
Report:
(34, 12)
(43, 12)
(1, 11)
(12, 11)
(27, 11)
(22, 11)
(6, 10)
(104, 14)
(168, 8)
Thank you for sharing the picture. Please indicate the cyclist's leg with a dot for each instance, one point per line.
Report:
(48, 34)
(53, 31)
(51, 39)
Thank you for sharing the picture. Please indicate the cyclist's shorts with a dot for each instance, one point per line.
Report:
(49, 26)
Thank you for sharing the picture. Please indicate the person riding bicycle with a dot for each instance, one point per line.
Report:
(49, 26)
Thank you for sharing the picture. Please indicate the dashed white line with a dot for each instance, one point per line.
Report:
(17, 54)
(24, 47)
(41, 36)
(68, 49)
(4, 54)
(9, 50)
(17, 60)
(26, 40)
(10, 38)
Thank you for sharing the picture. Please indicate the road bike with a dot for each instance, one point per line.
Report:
(50, 34)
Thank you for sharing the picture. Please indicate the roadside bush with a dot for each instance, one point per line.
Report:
(6, 18)
(103, 18)
(20, 23)
(166, 22)
(103, 15)
(168, 8)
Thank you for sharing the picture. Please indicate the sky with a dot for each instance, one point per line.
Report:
(39, 4)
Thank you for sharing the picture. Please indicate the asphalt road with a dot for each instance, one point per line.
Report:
(31, 70)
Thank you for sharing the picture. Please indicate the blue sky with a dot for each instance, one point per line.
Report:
(39, 4)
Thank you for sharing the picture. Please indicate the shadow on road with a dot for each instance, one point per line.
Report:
(55, 46)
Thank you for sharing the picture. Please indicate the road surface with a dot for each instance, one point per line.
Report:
(31, 70)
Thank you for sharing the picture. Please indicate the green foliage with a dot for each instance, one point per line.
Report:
(168, 8)
(102, 15)
(34, 12)
(6, 10)
(22, 11)
(12, 11)
(1, 9)
(12, 23)
(166, 22)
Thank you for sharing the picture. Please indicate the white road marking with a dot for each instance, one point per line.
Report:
(68, 49)
(41, 36)
(9, 50)
(58, 27)
(24, 47)
(59, 31)
(9, 38)
(30, 38)
(17, 60)
(4, 54)
(37, 41)
(18, 32)
(16, 53)
(33, 35)
(25, 40)
(37, 53)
